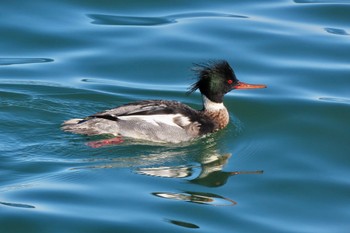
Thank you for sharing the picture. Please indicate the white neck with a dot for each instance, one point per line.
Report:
(212, 106)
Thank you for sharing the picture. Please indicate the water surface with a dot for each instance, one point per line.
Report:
(280, 166)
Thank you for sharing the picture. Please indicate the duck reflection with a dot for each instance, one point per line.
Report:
(203, 166)
(209, 173)
(197, 197)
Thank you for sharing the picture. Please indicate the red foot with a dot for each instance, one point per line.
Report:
(105, 142)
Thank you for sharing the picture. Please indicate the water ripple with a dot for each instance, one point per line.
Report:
(320, 1)
(18, 61)
(17, 205)
(337, 31)
(335, 100)
(121, 20)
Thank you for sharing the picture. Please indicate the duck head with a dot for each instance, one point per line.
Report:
(217, 78)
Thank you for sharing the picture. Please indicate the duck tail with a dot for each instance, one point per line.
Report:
(89, 126)
(71, 122)
(74, 126)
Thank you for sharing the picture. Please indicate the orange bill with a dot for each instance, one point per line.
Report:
(242, 85)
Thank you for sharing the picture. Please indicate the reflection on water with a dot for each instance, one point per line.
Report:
(209, 173)
(167, 172)
(206, 170)
(197, 197)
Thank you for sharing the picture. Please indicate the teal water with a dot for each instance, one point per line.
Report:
(282, 165)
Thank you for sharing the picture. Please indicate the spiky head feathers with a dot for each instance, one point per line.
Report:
(215, 79)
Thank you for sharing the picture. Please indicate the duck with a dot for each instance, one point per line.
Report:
(165, 121)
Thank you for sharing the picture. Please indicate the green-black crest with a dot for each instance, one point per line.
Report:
(215, 79)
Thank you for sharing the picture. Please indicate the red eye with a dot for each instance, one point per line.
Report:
(229, 81)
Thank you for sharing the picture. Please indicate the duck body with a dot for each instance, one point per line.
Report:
(152, 120)
(168, 121)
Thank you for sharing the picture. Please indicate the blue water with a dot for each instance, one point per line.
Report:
(282, 164)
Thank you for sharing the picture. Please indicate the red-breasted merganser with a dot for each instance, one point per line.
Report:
(167, 121)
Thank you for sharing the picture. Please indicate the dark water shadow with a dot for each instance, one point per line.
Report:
(182, 224)
(20, 61)
(121, 20)
(18, 205)
(336, 31)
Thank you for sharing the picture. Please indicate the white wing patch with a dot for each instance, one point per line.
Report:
(168, 119)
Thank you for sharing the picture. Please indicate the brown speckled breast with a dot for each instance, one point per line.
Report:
(219, 117)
